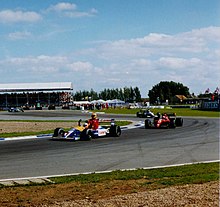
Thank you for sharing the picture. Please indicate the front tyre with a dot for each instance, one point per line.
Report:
(58, 132)
(147, 124)
(179, 122)
(173, 123)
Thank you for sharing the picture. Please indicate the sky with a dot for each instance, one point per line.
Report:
(98, 44)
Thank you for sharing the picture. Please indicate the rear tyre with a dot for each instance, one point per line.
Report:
(86, 135)
(115, 131)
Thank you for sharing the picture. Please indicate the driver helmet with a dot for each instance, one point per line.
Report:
(94, 116)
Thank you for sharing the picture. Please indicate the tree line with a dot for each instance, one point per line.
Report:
(160, 93)
(127, 94)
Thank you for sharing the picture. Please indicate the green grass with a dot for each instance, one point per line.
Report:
(156, 178)
(19, 134)
(186, 174)
(178, 111)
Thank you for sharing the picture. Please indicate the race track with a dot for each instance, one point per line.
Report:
(196, 141)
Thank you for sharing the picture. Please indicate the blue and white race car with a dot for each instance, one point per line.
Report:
(15, 109)
(82, 133)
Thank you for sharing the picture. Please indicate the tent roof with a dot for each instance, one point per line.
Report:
(25, 87)
(115, 101)
(81, 102)
(98, 101)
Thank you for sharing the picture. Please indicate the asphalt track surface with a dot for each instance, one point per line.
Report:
(196, 141)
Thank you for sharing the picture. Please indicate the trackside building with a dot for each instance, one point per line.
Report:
(35, 94)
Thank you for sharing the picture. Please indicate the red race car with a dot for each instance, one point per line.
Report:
(164, 121)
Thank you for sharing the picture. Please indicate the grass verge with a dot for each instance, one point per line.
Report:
(179, 175)
(160, 177)
(142, 178)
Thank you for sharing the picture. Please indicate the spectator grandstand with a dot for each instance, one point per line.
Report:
(37, 95)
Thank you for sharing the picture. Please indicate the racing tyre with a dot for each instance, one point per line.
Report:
(179, 122)
(115, 131)
(173, 123)
(58, 132)
(86, 135)
(147, 124)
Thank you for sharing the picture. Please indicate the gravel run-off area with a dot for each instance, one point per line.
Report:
(195, 195)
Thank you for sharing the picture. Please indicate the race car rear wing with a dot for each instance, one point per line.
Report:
(112, 121)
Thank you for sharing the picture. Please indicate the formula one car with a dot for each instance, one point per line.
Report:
(82, 133)
(165, 120)
(145, 113)
(15, 109)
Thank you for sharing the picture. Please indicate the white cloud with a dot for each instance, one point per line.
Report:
(47, 64)
(10, 16)
(76, 14)
(19, 35)
(190, 43)
(80, 66)
(208, 33)
(178, 63)
(62, 6)
(70, 10)
(35, 64)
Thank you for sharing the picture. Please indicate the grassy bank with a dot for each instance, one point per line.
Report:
(145, 178)
(186, 174)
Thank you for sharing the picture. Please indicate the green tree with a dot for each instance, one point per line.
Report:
(126, 94)
(166, 90)
(121, 94)
(77, 96)
(93, 95)
(103, 94)
(137, 94)
(131, 95)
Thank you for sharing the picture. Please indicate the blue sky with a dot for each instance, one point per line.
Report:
(111, 44)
